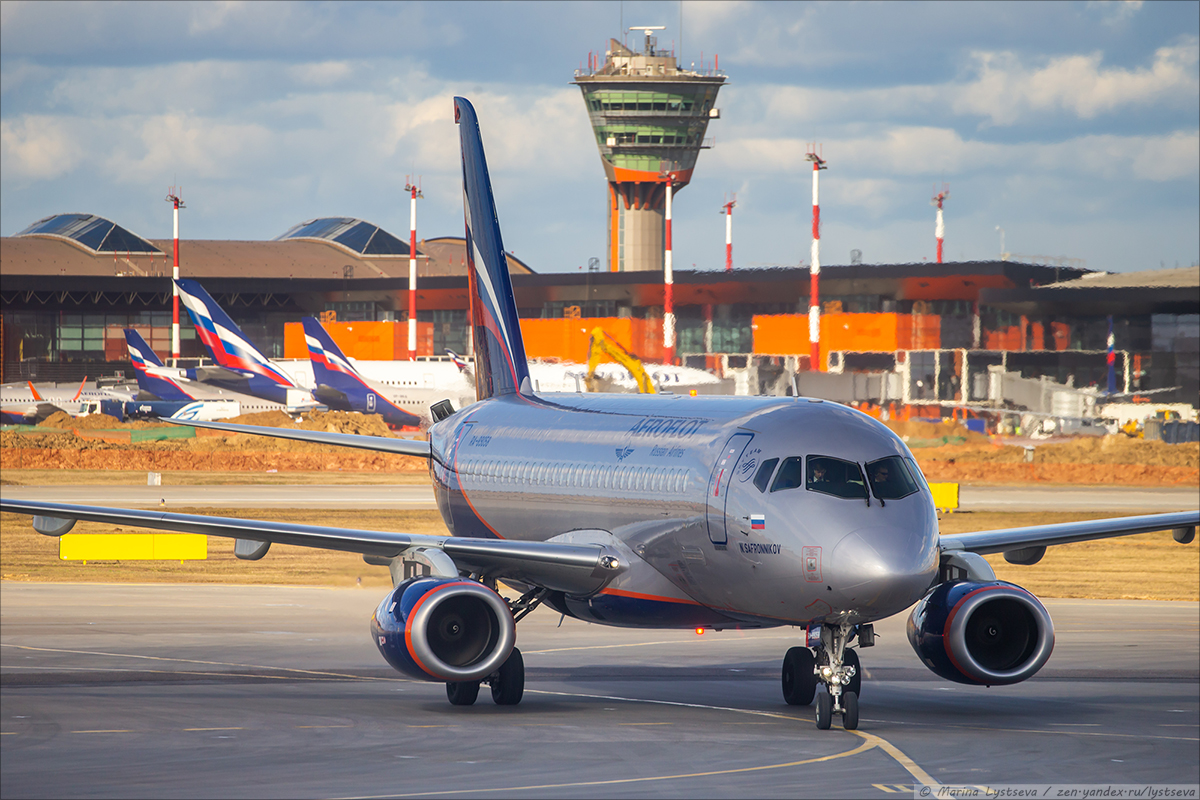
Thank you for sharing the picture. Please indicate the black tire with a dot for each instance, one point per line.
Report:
(799, 681)
(824, 711)
(849, 711)
(850, 659)
(509, 684)
(462, 694)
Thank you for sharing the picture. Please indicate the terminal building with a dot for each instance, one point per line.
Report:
(71, 282)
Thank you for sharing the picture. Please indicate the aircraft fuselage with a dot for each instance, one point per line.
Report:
(678, 482)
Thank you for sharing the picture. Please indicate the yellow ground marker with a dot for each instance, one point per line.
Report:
(945, 496)
(132, 547)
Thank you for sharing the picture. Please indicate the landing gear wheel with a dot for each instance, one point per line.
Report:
(799, 682)
(850, 659)
(824, 711)
(849, 711)
(509, 684)
(462, 694)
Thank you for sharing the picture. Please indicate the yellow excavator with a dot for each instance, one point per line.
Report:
(601, 345)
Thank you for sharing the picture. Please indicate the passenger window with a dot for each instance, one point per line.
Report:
(790, 475)
(763, 476)
(836, 477)
(890, 479)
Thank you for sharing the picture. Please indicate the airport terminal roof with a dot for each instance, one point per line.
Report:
(356, 235)
(1160, 291)
(90, 232)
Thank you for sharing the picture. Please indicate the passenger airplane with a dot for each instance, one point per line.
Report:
(340, 386)
(663, 511)
(155, 379)
(242, 368)
(27, 405)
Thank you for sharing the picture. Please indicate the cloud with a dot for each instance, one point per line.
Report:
(38, 147)
(1114, 12)
(1006, 91)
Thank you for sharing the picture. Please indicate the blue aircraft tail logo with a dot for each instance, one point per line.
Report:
(500, 365)
(144, 358)
(225, 341)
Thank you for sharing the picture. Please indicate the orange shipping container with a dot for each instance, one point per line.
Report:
(567, 339)
(365, 341)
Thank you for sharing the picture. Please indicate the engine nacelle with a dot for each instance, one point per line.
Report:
(444, 629)
(992, 633)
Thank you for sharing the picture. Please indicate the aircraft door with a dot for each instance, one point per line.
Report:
(718, 485)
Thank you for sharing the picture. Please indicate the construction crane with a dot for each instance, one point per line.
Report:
(600, 345)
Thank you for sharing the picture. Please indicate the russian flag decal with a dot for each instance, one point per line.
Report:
(758, 522)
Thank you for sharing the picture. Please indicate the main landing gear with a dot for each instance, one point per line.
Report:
(832, 665)
(508, 682)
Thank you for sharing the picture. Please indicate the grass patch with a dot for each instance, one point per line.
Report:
(1149, 566)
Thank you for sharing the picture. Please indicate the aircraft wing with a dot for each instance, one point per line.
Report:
(404, 447)
(577, 569)
(1009, 539)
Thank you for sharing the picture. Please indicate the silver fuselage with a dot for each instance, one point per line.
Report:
(669, 479)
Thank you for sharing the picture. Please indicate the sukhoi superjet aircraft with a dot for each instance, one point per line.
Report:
(664, 511)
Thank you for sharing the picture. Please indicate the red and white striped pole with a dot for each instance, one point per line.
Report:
(668, 285)
(412, 271)
(176, 203)
(729, 233)
(814, 296)
(940, 229)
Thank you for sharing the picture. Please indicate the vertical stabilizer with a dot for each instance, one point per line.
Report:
(330, 365)
(224, 340)
(500, 365)
(143, 358)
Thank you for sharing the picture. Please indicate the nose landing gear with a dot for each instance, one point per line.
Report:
(836, 667)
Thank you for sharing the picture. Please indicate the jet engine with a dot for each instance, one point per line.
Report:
(444, 629)
(992, 633)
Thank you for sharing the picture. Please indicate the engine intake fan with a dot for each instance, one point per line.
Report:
(444, 629)
(992, 633)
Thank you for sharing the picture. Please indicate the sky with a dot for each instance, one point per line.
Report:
(1070, 129)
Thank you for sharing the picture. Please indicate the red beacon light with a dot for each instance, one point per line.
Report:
(699, 631)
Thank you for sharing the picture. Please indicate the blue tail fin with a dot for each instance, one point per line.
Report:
(143, 358)
(225, 341)
(500, 365)
(330, 365)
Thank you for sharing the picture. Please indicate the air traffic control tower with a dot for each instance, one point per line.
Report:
(649, 117)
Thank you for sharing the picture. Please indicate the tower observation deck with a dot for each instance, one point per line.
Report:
(649, 117)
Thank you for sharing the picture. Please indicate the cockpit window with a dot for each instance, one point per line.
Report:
(763, 476)
(836, 477)
(890, 478)
(790, 475)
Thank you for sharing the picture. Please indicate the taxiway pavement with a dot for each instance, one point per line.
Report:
(230, 691)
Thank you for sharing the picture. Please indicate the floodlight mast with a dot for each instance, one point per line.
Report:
(175, 199)
(414, 192)
(940, 229)
(728, 209)
(814, 298)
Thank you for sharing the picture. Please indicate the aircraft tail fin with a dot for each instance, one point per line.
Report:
(328, 360)
(224, 340)
(140, 353)
(144, 358)
(79, 391)
(36, 395)
(500, 365)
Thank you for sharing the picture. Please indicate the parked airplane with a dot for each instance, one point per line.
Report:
(243, 368)
(340, 386)
(205, 402)
(663, 511)
(25, 404)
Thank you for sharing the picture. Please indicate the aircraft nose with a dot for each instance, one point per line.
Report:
(883, 569)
